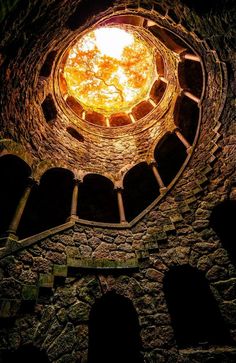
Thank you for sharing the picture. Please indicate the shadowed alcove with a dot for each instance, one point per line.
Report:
(48, 63)
(49, 203)
(170, 154)
(97, 199)
(114, 331)
(13, 180)
(190, 76)
(222, 220)
(186, 115)
(195, 316)
(49, 108)
(140, 189)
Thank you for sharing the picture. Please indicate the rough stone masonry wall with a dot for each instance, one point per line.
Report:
(24, 121)
(175, 232)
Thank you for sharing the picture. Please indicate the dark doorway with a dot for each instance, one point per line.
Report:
(97, 199)
(140, 190)
(170, 154)
(49, 203)
(13, 181)
(114, 331)
(195, 316)
(222, 220)
(191, 77)
(26, 354)
(186, 115)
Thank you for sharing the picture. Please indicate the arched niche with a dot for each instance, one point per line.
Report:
(140, 189)
(46, 69)
(49, 203)
(170, 153)
(141, 109)
(169, 39)
(97, 199)
(27, 353)
(222, 221)
(13, 180)
(186, 116)
(158, 90)
(114, 331)
(191, 77)
(49, 108)
(194, 313)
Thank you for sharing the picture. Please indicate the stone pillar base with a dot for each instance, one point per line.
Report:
(163, 190)
(72, 219)
(9, 240)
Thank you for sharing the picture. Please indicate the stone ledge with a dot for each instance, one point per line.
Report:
(102, 264)
(214, 350)
(60, 270)
(16, 246)
(103, 224)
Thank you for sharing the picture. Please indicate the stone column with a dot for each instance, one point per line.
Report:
(121, 205)
(74, 200)
(20, 208)
(163, 79)
(132, 118)
(191, 96)
(184, 141)
(107, 121)
(192, 57)
(158, 177)
(153, 103)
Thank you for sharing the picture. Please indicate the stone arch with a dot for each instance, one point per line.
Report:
(42, 167)
(106, 175)
(97, 199)
(170, 154)
(186, 117)
(153, 145)
(126, 169)
(140, 189)
(49, 203)
(190, 75)
(10, 147)
(194, 313)
(13, 181)
(114, 331)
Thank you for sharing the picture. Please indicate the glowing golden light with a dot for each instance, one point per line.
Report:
(109, 70)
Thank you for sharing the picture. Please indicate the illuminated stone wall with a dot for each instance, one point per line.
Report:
(46, 291)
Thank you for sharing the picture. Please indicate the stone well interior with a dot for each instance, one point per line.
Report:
(117, 187)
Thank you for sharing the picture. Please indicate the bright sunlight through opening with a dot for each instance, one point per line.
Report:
(109, 70)
(112, 41)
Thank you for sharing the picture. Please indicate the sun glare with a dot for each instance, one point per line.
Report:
(109, 70)
(112, 41)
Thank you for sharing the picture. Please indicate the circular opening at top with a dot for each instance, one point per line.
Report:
(109, 70)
